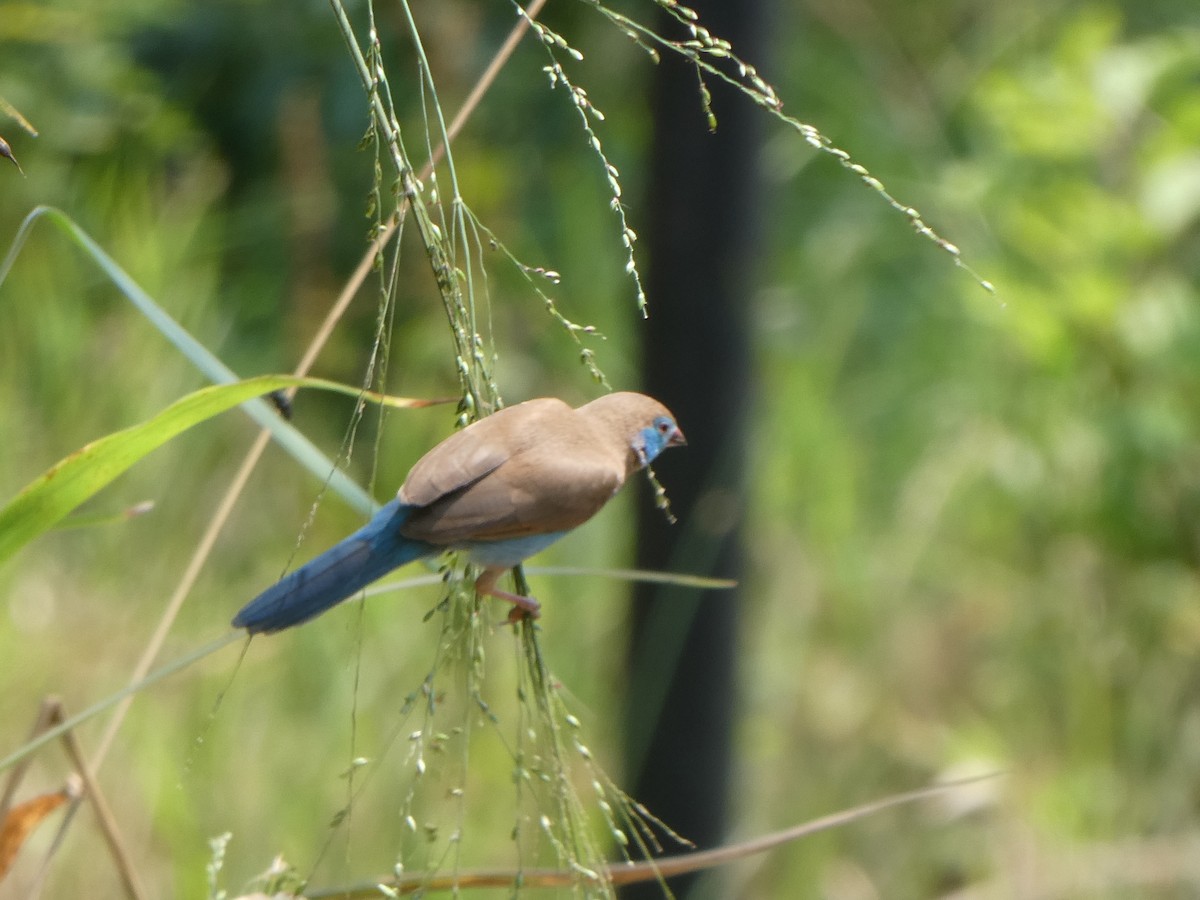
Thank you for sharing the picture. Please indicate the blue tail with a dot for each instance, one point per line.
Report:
(338, 573)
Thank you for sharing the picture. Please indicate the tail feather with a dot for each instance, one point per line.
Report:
(338, 573)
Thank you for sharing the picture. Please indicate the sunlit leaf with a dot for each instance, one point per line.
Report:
(20, 822)
(266, 414)
(50, 497)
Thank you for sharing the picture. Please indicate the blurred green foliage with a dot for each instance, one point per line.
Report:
(975, 518)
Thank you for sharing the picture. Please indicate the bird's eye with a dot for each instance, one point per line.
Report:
(663, 426)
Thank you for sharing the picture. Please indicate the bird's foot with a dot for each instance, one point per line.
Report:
(523, 607)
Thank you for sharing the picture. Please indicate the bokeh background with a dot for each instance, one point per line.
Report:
(972, 530)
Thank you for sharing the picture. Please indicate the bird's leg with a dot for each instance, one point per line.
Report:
(523, 607)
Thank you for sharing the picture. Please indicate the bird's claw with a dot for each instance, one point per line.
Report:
(524, 609)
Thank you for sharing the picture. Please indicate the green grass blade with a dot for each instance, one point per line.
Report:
(112, 700)
(679, 579)
(49, 498)
(288, 437)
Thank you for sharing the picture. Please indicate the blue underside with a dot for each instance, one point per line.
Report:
(508, 553)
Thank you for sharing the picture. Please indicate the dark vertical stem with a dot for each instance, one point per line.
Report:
(700, 244)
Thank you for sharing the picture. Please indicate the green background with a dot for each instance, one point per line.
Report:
(974, 523)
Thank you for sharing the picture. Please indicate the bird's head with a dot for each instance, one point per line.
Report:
(657, 437)
(639, 422)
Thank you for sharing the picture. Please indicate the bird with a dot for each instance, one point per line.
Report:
(500, 490)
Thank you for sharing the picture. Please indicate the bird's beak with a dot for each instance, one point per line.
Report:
(677, 439)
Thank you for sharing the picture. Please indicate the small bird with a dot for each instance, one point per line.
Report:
(500, 490)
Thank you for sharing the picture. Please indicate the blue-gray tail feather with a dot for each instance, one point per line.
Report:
(338, 573)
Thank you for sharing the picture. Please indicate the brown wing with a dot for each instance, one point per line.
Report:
(468, 455)
(555, 482)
